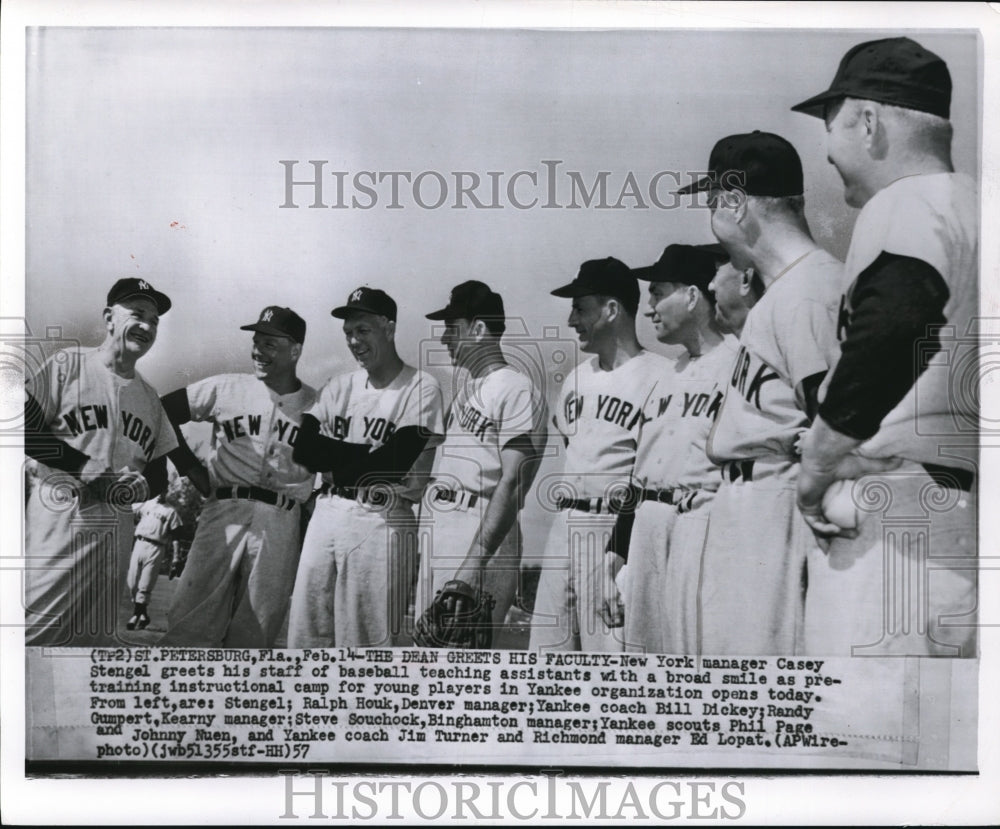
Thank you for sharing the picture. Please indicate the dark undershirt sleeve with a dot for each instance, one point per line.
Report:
(391, 462)
(810, 389)
(898, 306)
(156, 476)
(319, 453)
(177, 406)
(41, 444)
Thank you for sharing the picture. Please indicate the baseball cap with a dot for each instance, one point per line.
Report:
(130, 286)
(279, 322)
(367, 301)
(608, 277)
(685, 265)
(756, 163)
(472, 300)
(896, 71)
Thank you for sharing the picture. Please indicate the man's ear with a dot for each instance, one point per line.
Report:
(296, 351)
(479, 330)
(390, 328)
(746, 279)
(107, 314)
(693, 296)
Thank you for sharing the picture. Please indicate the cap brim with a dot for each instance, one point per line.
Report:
(816, 105)
(270, 330)
(650, 273)
(702, 185)
(343, 311)
(160, 300)
(715, 249)
(572, 291)
(444, 314)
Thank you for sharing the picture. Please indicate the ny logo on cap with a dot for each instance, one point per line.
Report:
(143, 285)
(266, 315)
(356, 296)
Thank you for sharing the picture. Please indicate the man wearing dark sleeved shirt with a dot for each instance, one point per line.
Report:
(895, 392)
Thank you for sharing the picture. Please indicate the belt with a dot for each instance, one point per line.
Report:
(157, 542)
(376, 496)
(255, 493)
(597, 506)
(950, 477)
(733, 471)
(661, 496)
(461, 499)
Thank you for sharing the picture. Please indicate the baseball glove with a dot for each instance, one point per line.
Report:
(459, 617)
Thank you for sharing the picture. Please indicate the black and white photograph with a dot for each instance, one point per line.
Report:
(499, 413)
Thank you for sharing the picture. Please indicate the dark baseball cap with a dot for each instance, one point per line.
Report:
(279, 322)
(472, 300)
(684, 265)
(896, 71)
(755, 163)
(129, 287)
(367, 301)
(607, 277)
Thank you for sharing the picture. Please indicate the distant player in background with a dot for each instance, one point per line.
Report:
(599, 413)
(899, 392)
(736, 292)
(372, 434)
(754, 564)
(155, 533)
(100, 438)
(674, 480)
(238, 578)
(495, 436)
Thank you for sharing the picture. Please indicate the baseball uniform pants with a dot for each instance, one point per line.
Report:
(74, 568)
(753, 575)
(238, 578)
(906, 586)
(573, 586)
(353, 584)
(446, 533)
(664, 577)
(143, 569)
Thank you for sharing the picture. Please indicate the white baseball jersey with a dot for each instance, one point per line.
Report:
(350, 409)
(934, 218)
(600, 414)
(254, 432)
(156, 520)
(99, 413)
(486, 413)
(789, 335)
(678, 417)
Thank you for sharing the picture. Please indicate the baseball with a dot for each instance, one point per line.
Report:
(839, 507)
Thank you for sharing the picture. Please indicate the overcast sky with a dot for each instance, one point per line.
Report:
(156, 153)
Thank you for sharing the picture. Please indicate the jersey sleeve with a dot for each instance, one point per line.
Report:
(425, 407)
(174, 522)
(521, 411)
(323, 407)
(166, 436)
(808, 340)
(202, 397)
(46, 385)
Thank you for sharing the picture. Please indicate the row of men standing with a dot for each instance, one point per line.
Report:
(706, 474)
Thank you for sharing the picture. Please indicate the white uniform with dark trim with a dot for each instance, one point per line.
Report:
(599, 415)
(907, 584)
(663, 575)
(358, 557)
(486, 413)
(76, 553)
(753, 575)
(238, 578)
(157, 522)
